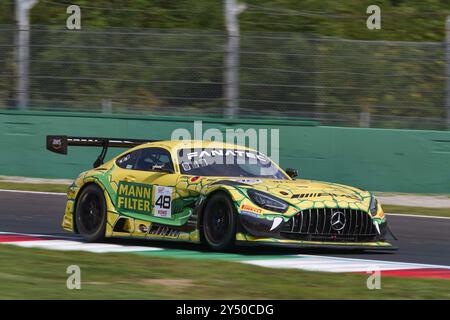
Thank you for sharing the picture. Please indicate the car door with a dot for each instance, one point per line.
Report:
(145, 185)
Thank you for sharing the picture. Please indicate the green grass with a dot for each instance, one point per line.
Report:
(441, 212)
(33, 273)
(33, 186)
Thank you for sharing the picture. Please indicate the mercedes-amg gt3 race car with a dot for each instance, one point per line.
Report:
(213, 193)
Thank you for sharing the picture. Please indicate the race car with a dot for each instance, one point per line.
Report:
(213, 193)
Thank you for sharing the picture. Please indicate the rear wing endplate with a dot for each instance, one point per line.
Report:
(59, 144)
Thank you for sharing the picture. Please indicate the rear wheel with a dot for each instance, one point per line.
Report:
(219, 222)
(90, 214)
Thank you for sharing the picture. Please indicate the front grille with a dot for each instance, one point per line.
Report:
(315, 224)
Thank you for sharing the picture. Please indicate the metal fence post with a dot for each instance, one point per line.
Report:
(231, 76)
(22, 51)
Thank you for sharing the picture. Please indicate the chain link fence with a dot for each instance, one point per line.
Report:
(151, 71)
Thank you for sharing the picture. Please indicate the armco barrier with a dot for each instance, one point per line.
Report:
(373, 159)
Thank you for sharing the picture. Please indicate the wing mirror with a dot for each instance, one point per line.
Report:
(292, 172)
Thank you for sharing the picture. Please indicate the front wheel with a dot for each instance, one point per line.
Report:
(219, 222)
(90, 214)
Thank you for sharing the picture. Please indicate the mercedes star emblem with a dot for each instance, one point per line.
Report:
(338, 221)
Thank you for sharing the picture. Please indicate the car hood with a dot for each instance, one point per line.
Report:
(304, 194)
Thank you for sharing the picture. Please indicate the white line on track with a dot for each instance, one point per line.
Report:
(62, 236)
(34, 192)
(322, 264)
(415, 216)
(380, 261)
(338, 264)
(65, 245)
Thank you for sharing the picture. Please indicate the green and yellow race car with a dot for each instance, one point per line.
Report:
(213, 193)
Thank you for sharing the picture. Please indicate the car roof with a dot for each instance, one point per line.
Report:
(194, 144)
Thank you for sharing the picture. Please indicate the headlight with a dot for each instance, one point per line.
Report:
(373, 206)
(267, 201)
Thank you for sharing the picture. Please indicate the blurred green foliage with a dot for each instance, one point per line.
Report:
(401, 20)
(289, 74)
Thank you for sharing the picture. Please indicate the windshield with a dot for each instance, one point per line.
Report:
(227, 163)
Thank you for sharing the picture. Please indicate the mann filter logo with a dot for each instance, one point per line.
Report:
(134, 197)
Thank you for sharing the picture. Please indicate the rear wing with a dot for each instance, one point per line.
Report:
(59, 144)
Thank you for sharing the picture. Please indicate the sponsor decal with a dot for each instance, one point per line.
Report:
(163, 202)
(250, 208)
(145, 199)
(193, 159)
(134, 197)
(227, 153)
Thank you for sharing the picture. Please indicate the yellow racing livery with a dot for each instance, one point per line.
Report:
(213, 193)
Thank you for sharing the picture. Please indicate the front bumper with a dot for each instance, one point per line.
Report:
(361, 232)
(258, 226)
(248, 240)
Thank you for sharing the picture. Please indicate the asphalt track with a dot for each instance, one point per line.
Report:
(421, 239)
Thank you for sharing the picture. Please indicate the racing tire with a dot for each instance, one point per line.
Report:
(91, 214)
(219, 223)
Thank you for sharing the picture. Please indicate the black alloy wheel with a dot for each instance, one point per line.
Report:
(90, 214)
(219, 222)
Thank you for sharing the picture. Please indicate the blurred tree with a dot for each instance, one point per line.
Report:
(159, 69)
(414, 20)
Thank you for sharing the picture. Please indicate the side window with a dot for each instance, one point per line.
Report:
(128, 161)
(154, 159)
